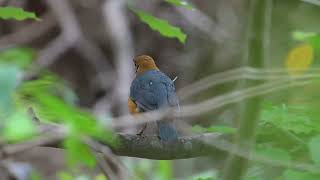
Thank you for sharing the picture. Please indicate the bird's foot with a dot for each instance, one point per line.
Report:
(140, 133)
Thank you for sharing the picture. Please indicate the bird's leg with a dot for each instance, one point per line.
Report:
(142, 130)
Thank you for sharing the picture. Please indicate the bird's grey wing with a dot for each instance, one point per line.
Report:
(172, 96)
(146, 94)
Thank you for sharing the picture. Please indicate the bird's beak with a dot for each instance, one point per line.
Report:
(137, 67)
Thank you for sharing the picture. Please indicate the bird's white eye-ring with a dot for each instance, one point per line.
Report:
(150, 83)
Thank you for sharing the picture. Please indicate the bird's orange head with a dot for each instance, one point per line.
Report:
(144, 63)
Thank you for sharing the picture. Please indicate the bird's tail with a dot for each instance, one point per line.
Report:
(167, 130)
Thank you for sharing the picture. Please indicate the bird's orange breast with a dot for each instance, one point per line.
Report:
(132, 106)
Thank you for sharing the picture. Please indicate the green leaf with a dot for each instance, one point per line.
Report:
(16, 13)
(51, 85)
(18, 127)
(314, 148)
(53, 108)
(42, 95)
(8, 82)
(78, 152)
(22, 57)
(181, 3)
(160, 25)
(298, 175)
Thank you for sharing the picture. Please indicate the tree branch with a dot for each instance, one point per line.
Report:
(149, 147)
(214, 145)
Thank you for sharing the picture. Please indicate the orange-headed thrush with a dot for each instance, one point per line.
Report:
(152, 90)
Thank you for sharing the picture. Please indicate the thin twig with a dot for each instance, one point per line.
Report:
(117, 23)
(107, 153)
(204, 24)
(248, 73)
(71, 36)
(213, 103)
(30, 32)
(47, 139)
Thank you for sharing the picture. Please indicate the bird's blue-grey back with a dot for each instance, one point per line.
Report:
(153, 90)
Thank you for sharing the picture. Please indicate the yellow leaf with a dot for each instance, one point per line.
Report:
(299, 59)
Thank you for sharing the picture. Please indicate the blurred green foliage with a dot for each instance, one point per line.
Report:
(291, 118)
(314, 148)
(65, 176)
(35, 176)
(214, 129)
(8, 82)
(208, 178)
(52, 101)
(160, 25)
(271, 153)
(18, 127)
(310, 37)
(21, 57)
(16, 13)
(206, 175)
(288, 132)
(165, 170)
(282, 137)
(100, 177)
(298, 175)
(77, 152)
